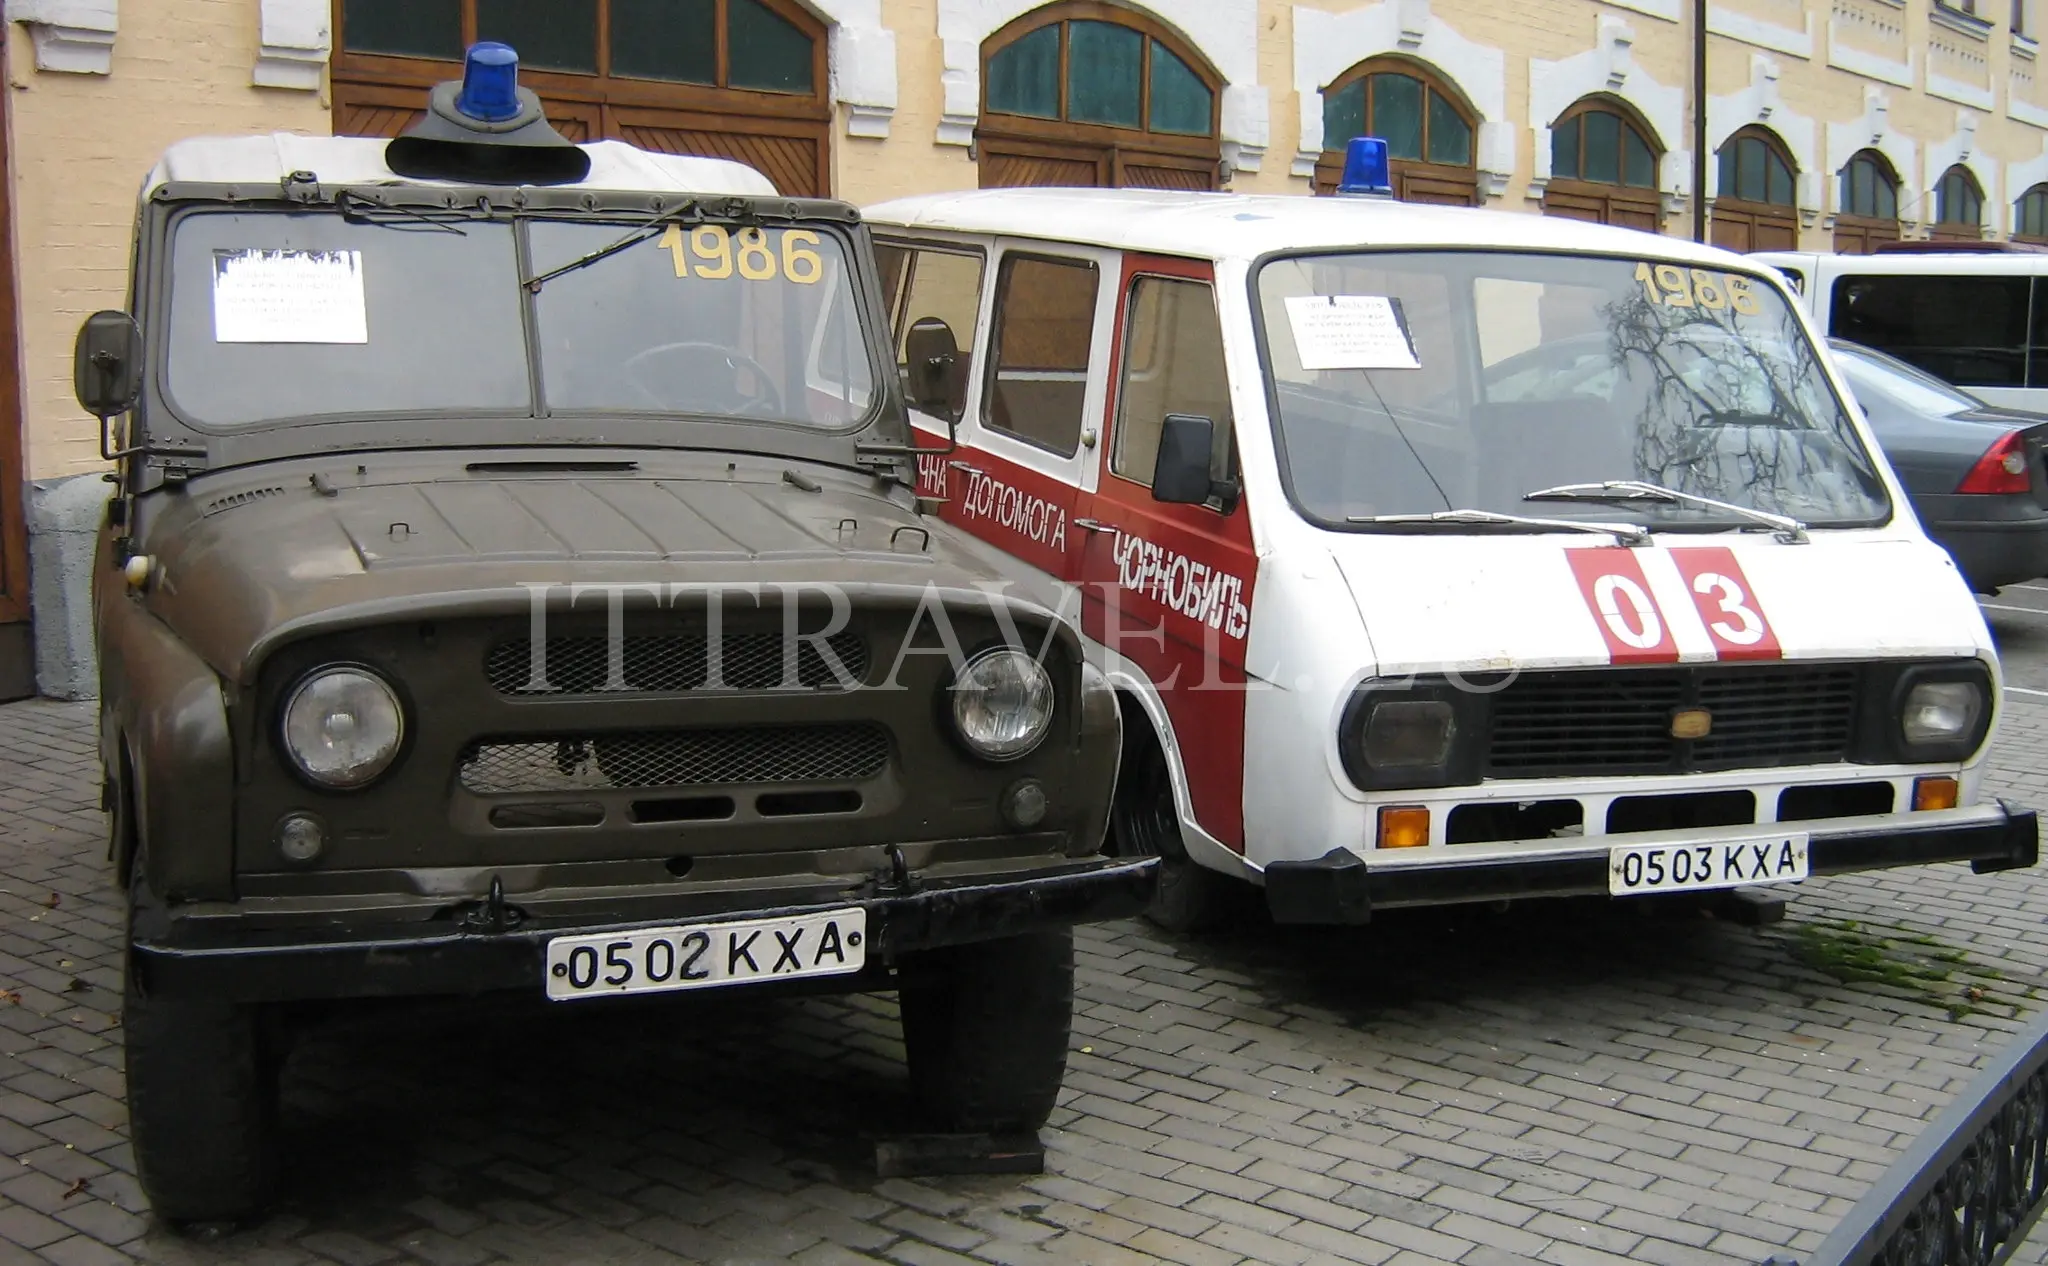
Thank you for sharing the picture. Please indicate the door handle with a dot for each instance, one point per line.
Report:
(964, 466)
(1094, 525)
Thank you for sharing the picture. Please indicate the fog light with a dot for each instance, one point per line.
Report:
(300, 837)
(1025, 803)
(1404, 826)
(1936, 793)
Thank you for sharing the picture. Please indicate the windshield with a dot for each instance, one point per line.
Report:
(278, 316)
(1914, 390)
(1410, 383)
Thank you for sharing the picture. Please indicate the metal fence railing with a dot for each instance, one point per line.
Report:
(1968, 1190)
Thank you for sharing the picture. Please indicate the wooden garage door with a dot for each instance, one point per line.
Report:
(739, 79)
(1091, 94)
(17, 648)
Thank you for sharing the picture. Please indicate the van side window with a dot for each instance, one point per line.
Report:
(1044, 326)
(924, 284)
(1173, 363)
(1971, 331)
(1795, 278)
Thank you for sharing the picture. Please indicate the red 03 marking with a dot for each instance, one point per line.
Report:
(1618, 595)
(1735, 620)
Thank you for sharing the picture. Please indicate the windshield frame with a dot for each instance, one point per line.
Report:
(1270, 388)
(176, 442)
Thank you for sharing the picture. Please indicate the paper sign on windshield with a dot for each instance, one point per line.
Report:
(1350, 332)
(262, 296)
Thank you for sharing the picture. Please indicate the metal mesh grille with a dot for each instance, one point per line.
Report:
(673, 662)
(1619, 722)
(677, 758)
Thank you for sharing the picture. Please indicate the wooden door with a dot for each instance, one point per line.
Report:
(1742, 226)
(1860, 235)
(17, 647)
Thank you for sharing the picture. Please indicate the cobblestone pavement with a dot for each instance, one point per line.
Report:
(1564, 1084)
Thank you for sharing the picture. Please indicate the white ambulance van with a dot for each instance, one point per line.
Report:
(1447, 555)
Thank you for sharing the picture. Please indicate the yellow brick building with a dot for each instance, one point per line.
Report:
(1831, 122)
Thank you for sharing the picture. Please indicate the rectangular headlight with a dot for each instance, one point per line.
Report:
(1409, 733)
(1941, 712)
(1426, 733)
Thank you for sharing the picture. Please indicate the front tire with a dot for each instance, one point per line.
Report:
(986, 1032)
(202, 1103)
(1145, 822)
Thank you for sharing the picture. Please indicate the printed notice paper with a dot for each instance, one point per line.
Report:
(1350, 332)
(289, 297)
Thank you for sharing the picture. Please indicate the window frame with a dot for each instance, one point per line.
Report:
(2039, 192)
(898, 309)
(1409, 175)
(1958, 179)
(1226, 428)
(1572, 196)
(991, 358)
(1855, 232)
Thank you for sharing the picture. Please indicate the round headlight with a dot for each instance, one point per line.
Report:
(1941, 711)
(342, 727)
(1002, 704)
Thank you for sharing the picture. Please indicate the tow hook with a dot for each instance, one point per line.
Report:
(492, 916)
(898, 881)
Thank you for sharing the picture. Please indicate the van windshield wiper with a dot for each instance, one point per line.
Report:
(1629, 533)
(1789, 529)
(652, 226)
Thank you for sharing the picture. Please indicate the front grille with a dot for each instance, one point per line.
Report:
(1619, 721)
(677, 758)
(672, 662)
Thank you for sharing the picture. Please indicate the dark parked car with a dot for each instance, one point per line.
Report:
(1973, 470)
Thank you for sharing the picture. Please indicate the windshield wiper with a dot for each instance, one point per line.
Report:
(1789, 529)
(1628, 533)
(653, 225)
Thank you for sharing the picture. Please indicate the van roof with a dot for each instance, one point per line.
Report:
(1915, 263)
(1223, 226)
(359, 160)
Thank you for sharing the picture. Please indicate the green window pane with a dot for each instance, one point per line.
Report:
(1024, 75)
(1343, 114)
(1564, 150)
(1779, 193)
(1727, 180)
(1396, 114)
(403, 28)
(1603, 147)
(1886, 200)
(1859, 192)
(1638, 164)
(765, 51)
(1750, 161)
(1104, 65)
(1450, 138)
(1180, 100)
(676, 40)
(549, 34)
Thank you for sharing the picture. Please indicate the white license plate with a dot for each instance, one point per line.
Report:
(706, 955)
(1764, 859)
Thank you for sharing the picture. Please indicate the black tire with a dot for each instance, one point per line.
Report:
(1143, 822)
(985, 1030)
(202, 1104)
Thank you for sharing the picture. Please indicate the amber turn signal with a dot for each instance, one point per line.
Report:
(1404, 826)
(1935, 793)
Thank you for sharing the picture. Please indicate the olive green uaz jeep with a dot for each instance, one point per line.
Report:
(515, 582)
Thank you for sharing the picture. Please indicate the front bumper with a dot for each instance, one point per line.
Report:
(1342, 887)
(231, 959)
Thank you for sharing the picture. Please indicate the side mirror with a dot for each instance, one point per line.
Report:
(106, 364)
(1182, 473)
(933, 381)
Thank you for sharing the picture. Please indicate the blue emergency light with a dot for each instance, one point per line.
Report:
(1365, 169)
(490, 83)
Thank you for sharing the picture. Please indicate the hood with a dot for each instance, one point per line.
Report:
(1477, 603)
(251, 558)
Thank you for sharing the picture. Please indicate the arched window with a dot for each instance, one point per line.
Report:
(1958, 207)
(742, 79)
(1083, 94)
(1603, 167)
(1756, 208)
(2030, 215)
(1429, 130)
(1868, 209)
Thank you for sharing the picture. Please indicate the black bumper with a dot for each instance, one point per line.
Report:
(230, 959)
(1341, 888)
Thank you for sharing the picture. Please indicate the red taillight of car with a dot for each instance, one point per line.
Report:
(2002, 469)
